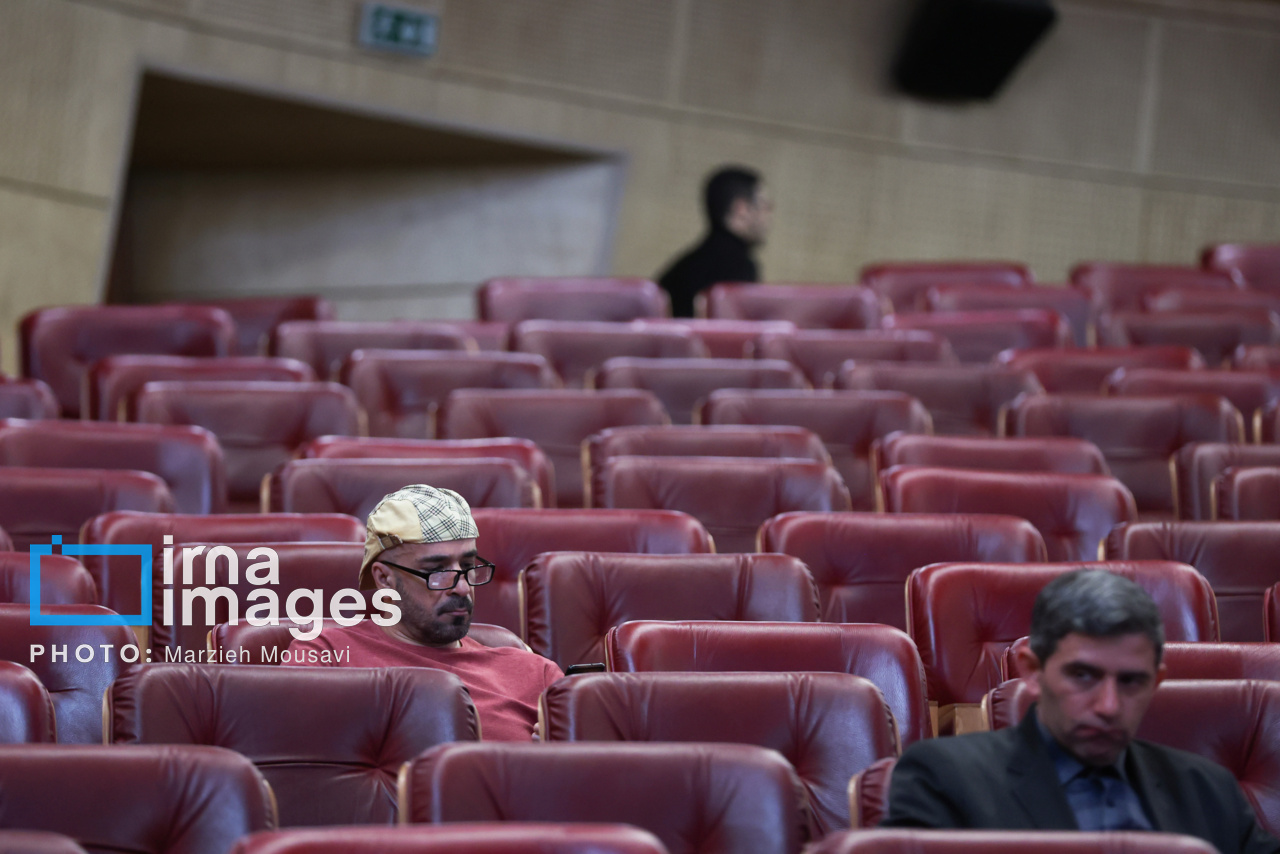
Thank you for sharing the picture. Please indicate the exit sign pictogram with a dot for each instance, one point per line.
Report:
(398, 28)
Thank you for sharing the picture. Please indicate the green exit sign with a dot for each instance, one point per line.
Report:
(398, 28)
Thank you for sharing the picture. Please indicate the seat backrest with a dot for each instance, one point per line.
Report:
(1256, 265)
(963, 616)
(63, 580)
(731, 496)
(75, 685)
(39, 503)
(326, 344)
(869, 794)
(1073, 512)
(1266, 424)
(962, 399)
(1072, 304)
(337, 763)
(1237, 558)
(848, 422)
(575, 349)
(113, 382)
(568, 298)
(726, 339)
(242, 643)
(512, 538)
(829, 726)
(807, 306)
(1208, 300)
(860, 561)
(821, 352)
(38, 842)
(1248, 391)
(27, 399)
(26, 710)
(1247, 493)
(5, 542)
(1116, 286)
(146, 799)
(1085, 370)
(1271, 610)
(1215, 335)
(187, 458)
(1191, 660)
(572, 599)
(59, 344)
(1066, 455)
(117, 576)
(713, 799)
(682, 384)
(1261, 357)
(884, 655)
(511, 837)
(258, 424)
(1008, 842)
(557, 420)
(522, 452)
(355, 486)
(256, 318)
(904, 283)
(700, 441)
(1196, 465)
(326, 567)
(401, 390)
(977, 336)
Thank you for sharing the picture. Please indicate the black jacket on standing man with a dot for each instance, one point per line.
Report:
(721, 257)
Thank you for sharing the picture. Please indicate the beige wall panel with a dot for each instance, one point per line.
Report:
(1076, 98)
(818, 62)
(1180, 224)
(1219, 108)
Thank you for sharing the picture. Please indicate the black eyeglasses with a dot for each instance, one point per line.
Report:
(480, 572)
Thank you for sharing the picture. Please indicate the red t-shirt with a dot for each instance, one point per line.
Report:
(505, 682)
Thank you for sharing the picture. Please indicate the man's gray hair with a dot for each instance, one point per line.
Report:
(1095, 603)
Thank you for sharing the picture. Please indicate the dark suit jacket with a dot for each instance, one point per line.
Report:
(1007, 780)
(720, 257)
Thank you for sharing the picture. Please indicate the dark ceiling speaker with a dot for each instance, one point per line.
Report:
(966, 49)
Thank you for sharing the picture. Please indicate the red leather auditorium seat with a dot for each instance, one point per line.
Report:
(512, 538)
(1216, 335)
(1247, 494)
(731, 496)
(38, 842)
(400, 390)
(821, 352)
(511, 837)
(258, 424)
(188, 459)
(256, 318)
(1238, 558)
(1262, 357)
(964, 615)
(36, 504)
(117, 577)
(1266, 424)
(153, 799)
(879, 653)
(241, 643)
(335, 764)
(26, 710)
(27, 399)
(689, 441)
(522, 452)
(848, 422)
(75, 687)
(860, 561)
(1248, 391)
(488, 335)
(1194, 660)
(1271, 608)
(1072, 304)
(725, 339)
(112, 383)
(977, 336)
(1053, 454)
(807, 306)
(682, 384)
(558, 420)
(59, 344)
(712, 799)
(1197, 464)
(63, 580)
(6, 544)
(559, 298)
(904, 283)
(355, 486)
(572, 599)
(1114, 286)
(1234, 723)
(1137, 435)
(326, 344)
(963, 399)
(1008, 842)
(1208, 300)
(1073, 512)
(829, 726)
(1256, 265)
(1085, 370)
(575, 349)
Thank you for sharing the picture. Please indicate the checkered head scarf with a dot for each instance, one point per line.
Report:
(414, 514)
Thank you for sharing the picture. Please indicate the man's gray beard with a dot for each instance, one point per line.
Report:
(425, 627)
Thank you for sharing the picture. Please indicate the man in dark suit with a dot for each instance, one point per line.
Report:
(1073, 762)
